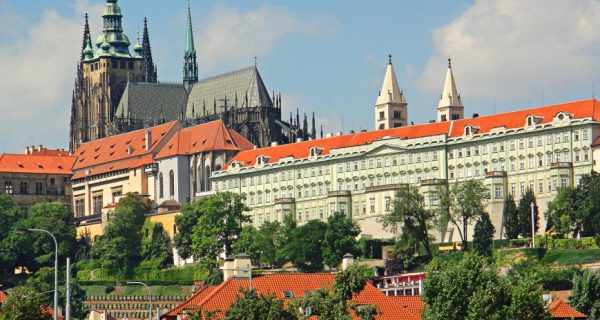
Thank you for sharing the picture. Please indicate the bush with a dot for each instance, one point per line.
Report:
(372, 248)
(583, 243)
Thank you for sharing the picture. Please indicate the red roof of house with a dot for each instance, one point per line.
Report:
(561, 310)
(453, 129)
(221, 297)
(204, 137)
(38, 164)
(193, 302)
(596, 142)
(3, 296)
(130, 145)
(413, 304)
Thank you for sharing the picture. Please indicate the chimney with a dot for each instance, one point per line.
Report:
(431, 121)
(329, 135)
(339, 133)
(299, 140)
(148, 139)
(40, 147)
(347, 260)
(274, 144)
(129, 150)
(228, 269)
(475, 115)
(26, 152)
(242, 266)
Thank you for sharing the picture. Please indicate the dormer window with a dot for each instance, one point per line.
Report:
(315, 151)
(470, 130)
(531, 121)
(562, 116)
(260, 159)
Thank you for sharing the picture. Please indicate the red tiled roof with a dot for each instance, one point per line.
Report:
(41, 164)
(221, 297)
(3, 296)
(455, 128)
(204, 137)
(561, 310)
(413, 304)
(596, 142)
(113, 166)
(192, 303)
(516, 119)
(130, 145)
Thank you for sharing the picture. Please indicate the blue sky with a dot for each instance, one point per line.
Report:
(326, 57)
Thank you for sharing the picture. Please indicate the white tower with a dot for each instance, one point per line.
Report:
(391, 109)
(450, 106)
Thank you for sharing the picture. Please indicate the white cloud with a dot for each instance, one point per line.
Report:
(514, 49)
(38, 68)
(231, 37)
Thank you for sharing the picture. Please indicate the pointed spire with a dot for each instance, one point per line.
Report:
(390, 91)
(150, 70)
(86, 37)
(190, 66)
(313, 131)
(321, 131)
(450, 96)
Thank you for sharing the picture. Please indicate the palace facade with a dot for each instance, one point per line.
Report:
(542, 149)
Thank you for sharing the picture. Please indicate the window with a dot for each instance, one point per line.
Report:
(52, 181)
(566, 137)
(97, 200)
(494, 148)
(586, 155)
(8, 187)
(522, 188)
(584, 134)
(549, 139)
(418, 158)
(388, 203)
(521, 144)
(79, 207)
(576, 155)
(498, 192)
(468, 152)
(451, 155)
(512, 165)
(512, 145)
(548, 159)
(540, 141)
(558, 155)
(347, 166)
(530, 143)
(363, 164)
(171, 183)
(381, 115)
(386, 161)
(372, 205)
(378, 162)
(370, 163)
(540, 186)
(476, 151)
(24, 188)
(557, 138)
(522, 164)
(563, 182)
(39, 188)
(434, 156)
(410, 158)
(531, 162)
(513, 188)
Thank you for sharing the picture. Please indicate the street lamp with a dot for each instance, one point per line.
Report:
(55, 269)
(533, 225)
(149, 295)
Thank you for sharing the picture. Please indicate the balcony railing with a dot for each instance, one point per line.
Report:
(491, 174)
(392, 186)
(284, 200)
(561, 165)
(338, 193)
(88, 219)
(433, 182)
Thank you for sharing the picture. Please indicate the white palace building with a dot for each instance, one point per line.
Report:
(542, 148)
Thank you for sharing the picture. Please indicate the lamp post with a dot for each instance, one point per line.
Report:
(55, 269)
(149, 295)
(532, 225)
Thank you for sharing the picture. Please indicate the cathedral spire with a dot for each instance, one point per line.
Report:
(390, 91)
(450, 106)
(86, 37)
(190, 67)
(113, 42)
(147, 64)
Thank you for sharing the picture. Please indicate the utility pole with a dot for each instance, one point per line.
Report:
(68, 285)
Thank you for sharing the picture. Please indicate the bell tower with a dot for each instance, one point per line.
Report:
(103, 74)
(391, 109)
(450, 106)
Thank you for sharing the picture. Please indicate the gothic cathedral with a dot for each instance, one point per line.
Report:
(117, 91)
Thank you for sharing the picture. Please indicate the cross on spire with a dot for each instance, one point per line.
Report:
(390, 58)
(449, 63)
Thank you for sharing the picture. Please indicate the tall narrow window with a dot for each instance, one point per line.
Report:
(161, 190)
(171, 183)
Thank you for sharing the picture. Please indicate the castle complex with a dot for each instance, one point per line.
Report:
(117, 91)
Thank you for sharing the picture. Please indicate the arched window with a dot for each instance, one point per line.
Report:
(161, 192)
(199, 178)
(171, 183)
(206, 178)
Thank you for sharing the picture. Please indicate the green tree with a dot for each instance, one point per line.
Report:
(563, 209)
(585, 296)
(54, 217)
(252, 306)
(213, 224)
(334, 302)
(119, 249)
(14, 247)
(305, 246)
(247, 244)
(472, 289)
(269, 240)
(43, 281)
(156, 248)
(466, 201)
(340, 238)
(511, 218)
(483, 235)
(285, 237)
(23, 303)
(524, 209)
(409, 210)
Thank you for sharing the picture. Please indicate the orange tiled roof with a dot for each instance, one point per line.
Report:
(596, 142)
(130, 145)
(516, 119)
(561, 310)
(113, 166)
(220, 298)
(191, 303)
(204, 137)
(42, 164)
(3, 296)
(509, 120)
(413, 304)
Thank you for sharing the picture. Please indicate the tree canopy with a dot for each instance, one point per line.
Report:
(483, 235)
(510, 216)
(24, 303)
(252, 306)
(339, 239)
(585, 296)
(466, 202)
(156, 245)
(410, 213)
(305, 247)
(524, 209)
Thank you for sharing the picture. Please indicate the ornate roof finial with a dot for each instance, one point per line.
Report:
(390, 59)
(449, 63)
(255, 61)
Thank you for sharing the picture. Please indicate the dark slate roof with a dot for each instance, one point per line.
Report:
(244, 82)
(145, 101)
